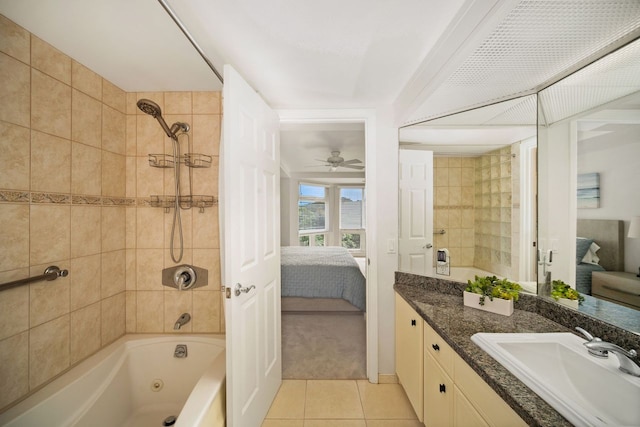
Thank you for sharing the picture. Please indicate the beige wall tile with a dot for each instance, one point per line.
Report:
(177, 102)
(149, 180)
(131, 98)
(113, 96)
(206, 311)
(113, 318)
(210, 260)
(50, 105)
(441, 177)
(441, 162)
(14, 309)
(86, 119)
(131, 262)
(48, 350)
(86, 169)
(149, 136)
(86, 80)
(205, 229)
(131, 184)
(50, 60)
(85, 330)
(130, 227)
(455, 237)
(15, 91)
(187, 225)
(14, 41)
(150, 228)
(207, 179)
(113, 273)
(206, 103)
(113, 228)
(130, 314)
(442, 196)
(47, 242)
(455, 177)
(149, 269)
(86, 237)
(114, 182)
(50, 163)
(14, 229)
(113, 130)
(150, 312)
(206, 134)
(85, 281)
(47, 300)
(455, 196)
(15, 145)
(14, 368)
(130, 135)
(175, 303)
(187, 256)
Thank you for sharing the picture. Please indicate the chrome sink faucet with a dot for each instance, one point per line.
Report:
(627, 363)
(182, 320)
(591, 339)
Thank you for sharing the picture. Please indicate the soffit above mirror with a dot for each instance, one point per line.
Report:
(537, 43)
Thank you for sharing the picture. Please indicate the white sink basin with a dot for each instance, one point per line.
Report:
(586, 390)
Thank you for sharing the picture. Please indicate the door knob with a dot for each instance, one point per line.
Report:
(239, 289)
(427, 246)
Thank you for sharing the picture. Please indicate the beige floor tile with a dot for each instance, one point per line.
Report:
(283, 423)
(332, 399)
(385, 401)
(335, 423)
(394, 423)
(289, 402)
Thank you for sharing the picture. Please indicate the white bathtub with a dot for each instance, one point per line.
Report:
(136, 381)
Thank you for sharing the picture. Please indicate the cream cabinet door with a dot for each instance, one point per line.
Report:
(464, 414)
(409, 339)
(438, 395)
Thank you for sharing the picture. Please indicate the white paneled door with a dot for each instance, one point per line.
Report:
(415, 246)
(250, 217)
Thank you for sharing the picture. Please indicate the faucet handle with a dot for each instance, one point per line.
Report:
(590, 338)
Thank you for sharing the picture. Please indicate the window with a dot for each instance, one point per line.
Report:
(352, 219)
(312, 208)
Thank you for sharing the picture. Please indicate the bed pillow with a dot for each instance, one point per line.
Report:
(582, 247)
(591, 257)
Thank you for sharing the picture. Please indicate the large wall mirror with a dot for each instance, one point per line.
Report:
(589, 184)
(467, 194)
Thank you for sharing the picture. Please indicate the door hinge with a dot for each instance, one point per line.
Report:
(228, 292)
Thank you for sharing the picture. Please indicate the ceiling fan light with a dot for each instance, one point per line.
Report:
(334, 168)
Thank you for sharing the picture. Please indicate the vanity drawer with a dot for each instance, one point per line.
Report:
(439, 349)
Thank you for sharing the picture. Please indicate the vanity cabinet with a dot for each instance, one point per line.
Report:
(454, 394)
(409, 337)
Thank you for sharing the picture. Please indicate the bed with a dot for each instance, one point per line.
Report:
(322, 272)
(608, 236)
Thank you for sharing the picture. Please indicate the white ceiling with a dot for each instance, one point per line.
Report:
(424, 58)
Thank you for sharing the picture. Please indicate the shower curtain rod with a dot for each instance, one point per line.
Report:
(184, 30)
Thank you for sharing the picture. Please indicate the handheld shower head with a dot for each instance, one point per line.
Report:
(151, 108)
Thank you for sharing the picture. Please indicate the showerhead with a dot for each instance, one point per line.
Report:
(149, 107)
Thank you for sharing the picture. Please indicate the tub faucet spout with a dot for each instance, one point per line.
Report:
(182, 320)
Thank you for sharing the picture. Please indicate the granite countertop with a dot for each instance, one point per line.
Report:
(440, 305)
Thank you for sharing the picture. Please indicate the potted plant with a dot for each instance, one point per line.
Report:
(565, 294)
(492, 294)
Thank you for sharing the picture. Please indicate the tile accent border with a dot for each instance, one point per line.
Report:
(8, 196)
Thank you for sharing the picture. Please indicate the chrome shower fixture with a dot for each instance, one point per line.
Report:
(151, 108)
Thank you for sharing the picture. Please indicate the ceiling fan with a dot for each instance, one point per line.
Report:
(335, 162)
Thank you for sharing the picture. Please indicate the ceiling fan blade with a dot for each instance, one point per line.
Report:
(351, 166)
(352, 161)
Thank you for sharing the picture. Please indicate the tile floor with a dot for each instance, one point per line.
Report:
(340, 403)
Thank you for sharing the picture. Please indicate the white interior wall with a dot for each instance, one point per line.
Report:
(615, 157)
(285, 216)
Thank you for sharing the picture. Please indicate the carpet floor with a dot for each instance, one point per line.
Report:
(323, 346)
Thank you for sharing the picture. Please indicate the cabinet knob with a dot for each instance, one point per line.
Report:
(436, 347)
(443, 388)
(413, 322)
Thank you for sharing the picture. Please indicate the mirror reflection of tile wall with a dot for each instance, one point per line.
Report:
(454, 208)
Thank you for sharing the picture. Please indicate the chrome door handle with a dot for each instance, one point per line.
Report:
(239, 289)
(427, 246)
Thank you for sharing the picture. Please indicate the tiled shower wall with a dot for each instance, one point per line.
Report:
(74, 185)
(454, 208)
